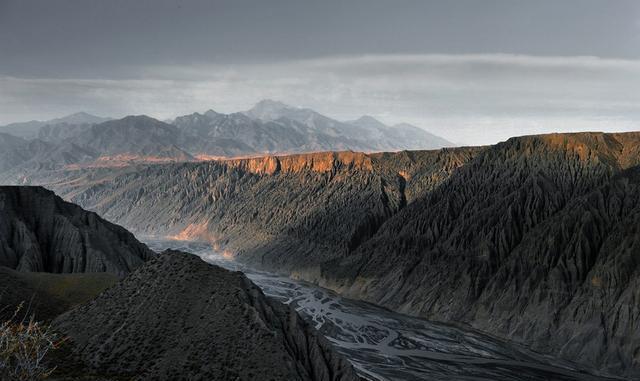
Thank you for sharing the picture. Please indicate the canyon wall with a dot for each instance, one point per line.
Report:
(41, 232)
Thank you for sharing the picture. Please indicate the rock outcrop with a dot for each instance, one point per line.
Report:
(320, 162)
(40, 232)
(179, 318)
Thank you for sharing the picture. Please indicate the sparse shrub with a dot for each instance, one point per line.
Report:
(23, 347)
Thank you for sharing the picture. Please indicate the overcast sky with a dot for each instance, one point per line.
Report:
(473, 71)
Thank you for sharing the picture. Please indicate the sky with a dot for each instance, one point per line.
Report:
(472, 71)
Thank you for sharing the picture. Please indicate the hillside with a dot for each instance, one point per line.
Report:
(535, 227)
(178, 317)
(46, 295)
(487, 236)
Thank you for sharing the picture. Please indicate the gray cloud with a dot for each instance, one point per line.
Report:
(474, 99)
(101, 39)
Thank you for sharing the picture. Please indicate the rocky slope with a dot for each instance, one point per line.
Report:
(532, 239)
(41, 232)
(178, 317)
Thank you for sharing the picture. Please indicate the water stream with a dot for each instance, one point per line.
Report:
(385, 345)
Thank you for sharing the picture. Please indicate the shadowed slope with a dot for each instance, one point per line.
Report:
(45, 296)
(517, 243)
(41, 232)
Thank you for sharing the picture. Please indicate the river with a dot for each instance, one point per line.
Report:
(385, 345)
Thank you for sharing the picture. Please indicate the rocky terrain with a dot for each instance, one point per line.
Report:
(40, 232)
(178, 317)
(532, 239)
(172, 316)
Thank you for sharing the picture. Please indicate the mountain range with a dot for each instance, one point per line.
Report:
(533, 239)
(82, 140)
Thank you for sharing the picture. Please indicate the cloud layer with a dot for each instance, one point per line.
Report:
(472, 99)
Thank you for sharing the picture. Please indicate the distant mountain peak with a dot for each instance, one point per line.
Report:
(78, 118)
(268, 109)
(367, 121)
(405, 125)
(211, 113)
(79, 114)
(129, 119)
(270, 103)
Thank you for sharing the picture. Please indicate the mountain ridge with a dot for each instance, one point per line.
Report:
(198, 321)
(269, 128)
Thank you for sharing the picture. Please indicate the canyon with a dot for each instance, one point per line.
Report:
(531, 239)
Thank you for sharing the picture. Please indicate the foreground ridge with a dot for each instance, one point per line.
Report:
(178, 317)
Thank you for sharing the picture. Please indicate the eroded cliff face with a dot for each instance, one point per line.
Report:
(41, 232)
(532, 239)
(620, 150)
(321, 162)
(320, 206)
(178, 317)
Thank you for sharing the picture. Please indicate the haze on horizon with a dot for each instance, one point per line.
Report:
(474, 72)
